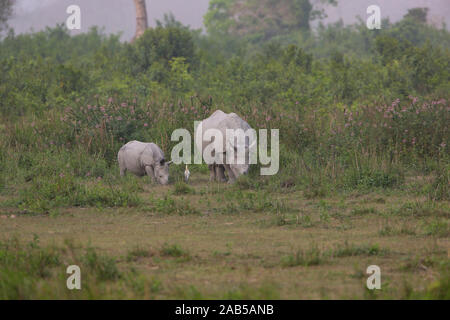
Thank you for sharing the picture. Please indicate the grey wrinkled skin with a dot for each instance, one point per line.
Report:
(223, 121)
(143, 159)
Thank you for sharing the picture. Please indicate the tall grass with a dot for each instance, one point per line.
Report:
(55, 160)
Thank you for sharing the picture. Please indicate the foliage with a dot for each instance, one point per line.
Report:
(260, 20)
(5, 12)
(157, 47)
(32, 271)
(356, 109)
(44, 195)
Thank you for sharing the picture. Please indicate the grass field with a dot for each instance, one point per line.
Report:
(206, 240)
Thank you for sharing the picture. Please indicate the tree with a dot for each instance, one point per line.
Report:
(417, 14)
(169, 21)
(265, 17)
(158, 46)
(5, 12)
(141, 18)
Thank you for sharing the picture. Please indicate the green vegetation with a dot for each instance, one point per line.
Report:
(173, 250)
(347, 121)
(348, 250)
(364, 156)
(181, 188)
(311, 257)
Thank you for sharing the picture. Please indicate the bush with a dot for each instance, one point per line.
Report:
(181, 188)
(168, 205)
(45, 194)
(439, 189)
(103, 266)
(173, 250)
(367, 178)
(311, 257)
(157, 47)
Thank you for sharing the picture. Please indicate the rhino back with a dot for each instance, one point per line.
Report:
(221, 121)
(135, 155)
(152, 154)
(233, 121)
(213, 122)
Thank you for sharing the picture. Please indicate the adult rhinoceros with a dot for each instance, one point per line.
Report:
(144, 158)
(225, 153)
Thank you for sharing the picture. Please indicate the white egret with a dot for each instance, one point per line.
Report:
(187, 174)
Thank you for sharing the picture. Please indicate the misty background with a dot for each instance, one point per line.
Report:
(118, 16)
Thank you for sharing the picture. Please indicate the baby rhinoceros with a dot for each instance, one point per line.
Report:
(144, 159)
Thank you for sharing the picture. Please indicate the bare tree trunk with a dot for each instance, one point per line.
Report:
(141, 18)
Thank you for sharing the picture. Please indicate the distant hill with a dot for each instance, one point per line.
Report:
(118, 15)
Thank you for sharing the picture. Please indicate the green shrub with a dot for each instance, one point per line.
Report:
(173, 250)
(181, 188)
(439, 189)
(45, 194)
(104, 267)
(437, 228)
(311, 257)
(168, 205)
(159, 46)
(348, 250)
(373, 179)
(137, 253)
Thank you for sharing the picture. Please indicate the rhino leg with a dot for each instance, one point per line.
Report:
(150, 172)
(212, 172)
(231, 177)
(122, 166)
(220, 173)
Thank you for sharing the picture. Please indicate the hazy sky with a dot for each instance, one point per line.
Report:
(119, 15)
